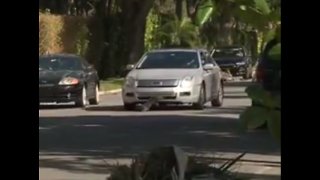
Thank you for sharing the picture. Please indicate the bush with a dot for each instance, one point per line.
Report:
(50, 28)
(75, 35)
(67, 34)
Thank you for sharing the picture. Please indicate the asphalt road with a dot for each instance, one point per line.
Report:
(77, 144)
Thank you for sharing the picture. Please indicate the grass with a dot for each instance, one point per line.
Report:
(111, 84)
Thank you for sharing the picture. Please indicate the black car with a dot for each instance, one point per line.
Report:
(233, 59)
(67, 78)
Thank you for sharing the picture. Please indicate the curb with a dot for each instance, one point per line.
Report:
(116, 91)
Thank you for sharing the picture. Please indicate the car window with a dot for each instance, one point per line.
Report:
(228, 52)
(205, 58)
(170, 60)
(212, 61)
(85, 63)
(60, 63)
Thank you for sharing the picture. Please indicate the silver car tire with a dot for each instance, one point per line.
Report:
(201, 101)
(129, 106)
(218, 101)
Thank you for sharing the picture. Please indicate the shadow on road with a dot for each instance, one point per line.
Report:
(123, 136)
(58, 106)
(238, 84)
(120, 108)
(75, 165)
(105, 108)
(259, 176)
(236, 97)
(222, 110)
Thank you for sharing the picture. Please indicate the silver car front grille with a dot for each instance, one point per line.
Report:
(161, 95)
(158, 83)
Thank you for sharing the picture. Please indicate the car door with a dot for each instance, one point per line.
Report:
(207, 74)
(90, 78)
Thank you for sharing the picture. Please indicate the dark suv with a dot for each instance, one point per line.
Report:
(234, 59)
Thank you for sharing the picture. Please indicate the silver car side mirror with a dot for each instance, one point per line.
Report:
(208, 67)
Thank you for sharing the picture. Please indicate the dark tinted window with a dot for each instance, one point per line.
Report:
(60, 63)
(228, 52)
(170, 60)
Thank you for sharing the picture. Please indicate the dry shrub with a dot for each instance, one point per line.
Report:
(75, 35)
(67, 34)
(50, 28)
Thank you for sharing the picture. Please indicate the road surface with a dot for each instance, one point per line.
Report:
(77, 144)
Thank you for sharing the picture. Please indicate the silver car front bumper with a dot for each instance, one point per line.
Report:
(163, 94)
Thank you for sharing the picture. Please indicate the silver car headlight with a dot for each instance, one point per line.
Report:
(187, 81)
(130, 82)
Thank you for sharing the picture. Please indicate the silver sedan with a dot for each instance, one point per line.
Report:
(174, 76)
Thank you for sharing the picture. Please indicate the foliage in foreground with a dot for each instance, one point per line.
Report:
(270, 113)
(171, 163)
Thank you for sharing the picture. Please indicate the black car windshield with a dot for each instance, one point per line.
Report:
(59, 63)
(228, 52)
(170, 60)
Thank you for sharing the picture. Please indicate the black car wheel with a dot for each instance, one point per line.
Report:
(246, 75)
(218, 101)
(96, 99)
(201, 101)
(82, 99)
(129, 106)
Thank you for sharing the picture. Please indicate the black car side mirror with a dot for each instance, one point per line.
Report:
(129, 67)
(90, 67)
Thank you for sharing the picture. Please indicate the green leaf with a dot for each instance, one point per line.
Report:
(204, 12)
(253, 17)
(262, 6)
(274, 124)
(254, 117)
(255, 92)
(275, 52)
(258, 94)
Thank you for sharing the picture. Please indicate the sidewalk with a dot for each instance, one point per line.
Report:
(116, 91)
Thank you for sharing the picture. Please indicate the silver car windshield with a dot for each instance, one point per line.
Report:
(170, 60)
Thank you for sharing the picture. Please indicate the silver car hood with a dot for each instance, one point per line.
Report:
(163, 73)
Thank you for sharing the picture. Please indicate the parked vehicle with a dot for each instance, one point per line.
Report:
(233, 59)
(67, 78)
(174, 76)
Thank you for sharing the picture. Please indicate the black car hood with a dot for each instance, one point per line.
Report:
(54, 77)
(229, 60)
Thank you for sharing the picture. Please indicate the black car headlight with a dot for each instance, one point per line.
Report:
(69, 81)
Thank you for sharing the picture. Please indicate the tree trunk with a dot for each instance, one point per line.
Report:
(226, 23)
(179, 8)
(134, 18)
(192, 8)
